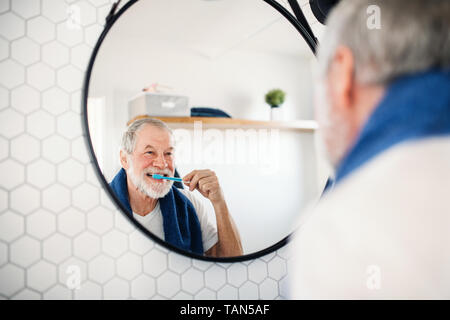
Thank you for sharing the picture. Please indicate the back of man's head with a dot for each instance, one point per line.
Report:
(388, 38)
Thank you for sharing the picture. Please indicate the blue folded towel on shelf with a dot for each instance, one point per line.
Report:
(208, 112)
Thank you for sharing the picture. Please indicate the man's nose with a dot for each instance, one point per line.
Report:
(160, 162)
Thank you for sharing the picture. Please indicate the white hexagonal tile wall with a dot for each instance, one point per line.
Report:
(25, 251)
(40, 29)
(215, 277)
(55, 101)
(11, 226)
(88, 13)
(71, 173)
(85, 197)
(70, 270)
(257, 271)
(277, 268)
(12, 279)
(70, 78)
(88, 291)
(129, 266)
(41, 173)
(101, 269)
(4, 98)
(86, 246)
(177, 262)
(69, 125)
(155, 262)
(114, 243)
(40, 76)
(11, 123)
(4, 148)
(168, 284)
(11, 74)
(41, 276)
(140, 243)
(249, 291)
(56, 149)
(40, 124)
(143, 287)
(26, 294)
(4, 6)
(55, 11)
(92, 33)
(55, 54)
(79, 150)
(57, 248)
(71, 222)
(26, 8)
(100, 220)
(25, 199)
(25, 99)
(116, 289)
(40, 224)
(25, 148)
(192, 281)
(3, 253)
(25, 51)
(4, 49)
(68, 36)
(58, 292)
(237, 274)
(80, 56)
(11, 26)
(268, 289)
(205, 294)
(56, 198)
(227, 293)
(12, 174)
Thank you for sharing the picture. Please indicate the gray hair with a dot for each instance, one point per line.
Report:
(414, 36)
(129, 136)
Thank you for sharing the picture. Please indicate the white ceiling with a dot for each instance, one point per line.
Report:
(214, 27)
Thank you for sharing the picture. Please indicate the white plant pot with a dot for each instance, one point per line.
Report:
(276, 114)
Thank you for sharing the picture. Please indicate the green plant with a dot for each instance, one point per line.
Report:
(275, 97)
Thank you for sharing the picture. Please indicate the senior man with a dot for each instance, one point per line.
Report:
(172, 214)
(383, 107)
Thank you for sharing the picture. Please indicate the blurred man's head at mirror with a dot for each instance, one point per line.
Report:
(366, 46)
(148, 148)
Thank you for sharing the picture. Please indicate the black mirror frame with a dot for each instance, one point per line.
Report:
(110, 20)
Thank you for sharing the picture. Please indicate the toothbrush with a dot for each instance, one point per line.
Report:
(159, 177)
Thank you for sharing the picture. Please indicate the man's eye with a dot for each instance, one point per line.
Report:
(150, 152)
(168, 153)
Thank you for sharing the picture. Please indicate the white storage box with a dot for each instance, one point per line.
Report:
(158, 105)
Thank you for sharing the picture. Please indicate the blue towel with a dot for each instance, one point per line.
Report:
(414, 107)
(180, 221)
(208, 112)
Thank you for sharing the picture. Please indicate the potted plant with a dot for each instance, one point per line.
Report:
(275, 98)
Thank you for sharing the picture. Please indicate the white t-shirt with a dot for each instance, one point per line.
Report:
(153, 221)
(383, 232)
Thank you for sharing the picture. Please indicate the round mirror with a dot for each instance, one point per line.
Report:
(216, 94)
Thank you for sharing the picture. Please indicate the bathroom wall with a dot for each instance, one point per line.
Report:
(57, 225)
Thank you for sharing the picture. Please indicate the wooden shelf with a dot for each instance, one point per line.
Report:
(211, 122)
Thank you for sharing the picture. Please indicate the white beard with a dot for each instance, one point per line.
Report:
(153, 190)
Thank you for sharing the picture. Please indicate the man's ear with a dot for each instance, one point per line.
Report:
(124, 160)
(342, 71)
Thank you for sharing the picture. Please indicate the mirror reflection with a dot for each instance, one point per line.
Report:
(199, 114)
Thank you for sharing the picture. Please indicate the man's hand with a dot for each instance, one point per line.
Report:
(206, 182)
